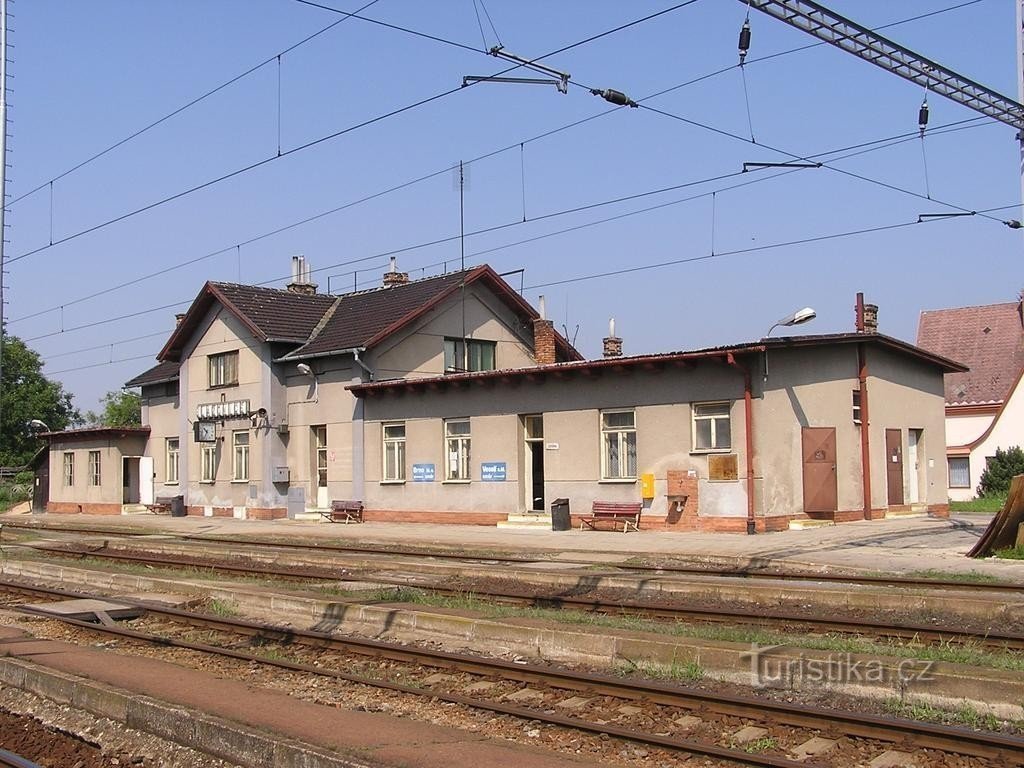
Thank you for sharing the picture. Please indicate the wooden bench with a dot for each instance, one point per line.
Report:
(344, 511)
(614, 512)
(161, 505)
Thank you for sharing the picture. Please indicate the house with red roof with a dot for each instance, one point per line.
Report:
(985, 404)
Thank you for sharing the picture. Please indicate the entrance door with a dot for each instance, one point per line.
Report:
(320, 444)
(130, 480)
(41, 492)
(819, 459)
(894, 465)
(533, 476)
(914, 453)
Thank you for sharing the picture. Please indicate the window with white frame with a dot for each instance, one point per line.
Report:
(856, 406)
(712, 430)
(394, 452)
(223, 369)
(171, 460)
(457, 445)
(320, 443)
(959, 472)
(208, 463)
(94, 468)
(618, 445)
(69, 469)
(240, 463)
(468, 355)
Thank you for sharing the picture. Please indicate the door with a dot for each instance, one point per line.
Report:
(41, 492)
(320, 443)
(914, 453)
(146, 480)
(130, 479)
(819, 460)
(533, 476)
(894, 466)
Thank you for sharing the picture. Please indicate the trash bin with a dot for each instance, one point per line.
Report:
(178, 506)
(560, 520)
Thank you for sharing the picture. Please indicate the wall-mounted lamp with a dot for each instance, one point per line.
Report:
(799, 317)
(305, 370)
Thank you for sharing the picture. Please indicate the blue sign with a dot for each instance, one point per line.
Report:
(493, 471)
(423, 473)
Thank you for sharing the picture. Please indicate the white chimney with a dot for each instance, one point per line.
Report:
(301, 272)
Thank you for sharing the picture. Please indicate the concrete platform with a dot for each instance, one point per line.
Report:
(87, 610)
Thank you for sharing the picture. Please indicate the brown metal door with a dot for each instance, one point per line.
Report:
(819, 454)
(894, 465)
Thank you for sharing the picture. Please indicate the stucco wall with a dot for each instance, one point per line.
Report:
(1007, 431)
(110, 489)
(961, 430)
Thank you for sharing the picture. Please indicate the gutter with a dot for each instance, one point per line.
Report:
(332, 353)
(748, 417)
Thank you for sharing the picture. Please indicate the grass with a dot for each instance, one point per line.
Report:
(225, 608)
(967, 577)
(678, 672)
(982, 504)
(763, 744)
(1011, 553)
(964, 715)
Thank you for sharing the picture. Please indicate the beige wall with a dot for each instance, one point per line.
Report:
(110, 489)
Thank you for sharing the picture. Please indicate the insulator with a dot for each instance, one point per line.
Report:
(744, 40)
(617, 98)
(922, 116)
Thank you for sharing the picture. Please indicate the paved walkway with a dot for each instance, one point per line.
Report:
(888, 546)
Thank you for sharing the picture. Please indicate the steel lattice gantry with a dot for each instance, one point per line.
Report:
(830, 27)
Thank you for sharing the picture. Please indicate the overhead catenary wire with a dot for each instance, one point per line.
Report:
(484, 156)
(335, 134)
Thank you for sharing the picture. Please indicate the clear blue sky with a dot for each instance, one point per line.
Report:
(88, 74)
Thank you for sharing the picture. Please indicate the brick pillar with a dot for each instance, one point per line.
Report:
(612, 346)
(543, 341)
(395, 278)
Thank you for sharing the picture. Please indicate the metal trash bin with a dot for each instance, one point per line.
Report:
(560, 520)
(178, 506)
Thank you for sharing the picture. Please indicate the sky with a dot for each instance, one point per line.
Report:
(736, 251)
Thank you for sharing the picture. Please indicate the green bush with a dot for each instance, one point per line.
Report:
(1000, 470)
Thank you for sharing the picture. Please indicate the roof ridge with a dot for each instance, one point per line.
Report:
(224, 284)
(323, 321)
(418, 281)
(972, 306)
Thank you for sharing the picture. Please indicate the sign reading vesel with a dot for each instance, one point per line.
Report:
(231, 409)
(423, 473)
(493, 471)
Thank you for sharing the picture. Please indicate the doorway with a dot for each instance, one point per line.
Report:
(130, 480)
(533, 475)
(915, 452)
(894, 466)
(819, 461)
(320, 451)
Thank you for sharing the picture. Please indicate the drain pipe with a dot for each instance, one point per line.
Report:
(748, 417)
(361, 364)
(865, 429)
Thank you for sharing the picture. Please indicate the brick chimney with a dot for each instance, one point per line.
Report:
(543, 338)
(865, 316)
(394, 277)
(300, 277)
(612, 343)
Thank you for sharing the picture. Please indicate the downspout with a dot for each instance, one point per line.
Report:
(865, 429)
(748, 417)
(361, 364)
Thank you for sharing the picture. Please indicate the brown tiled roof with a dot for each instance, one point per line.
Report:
(279, 315)
(988, 339)
(87, 433)
(159, 373)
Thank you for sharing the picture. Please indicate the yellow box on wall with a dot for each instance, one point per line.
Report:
(647, 485)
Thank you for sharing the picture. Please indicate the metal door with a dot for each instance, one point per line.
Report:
(819, 460)
(894, 465)
(914, 464)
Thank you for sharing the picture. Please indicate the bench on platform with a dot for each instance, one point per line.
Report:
(344, 511)
(614, 512)
(161, 505)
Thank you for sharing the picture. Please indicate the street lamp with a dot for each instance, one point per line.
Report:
(37, 426)
(799, 317)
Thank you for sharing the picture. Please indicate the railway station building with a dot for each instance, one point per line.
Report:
(451, 399)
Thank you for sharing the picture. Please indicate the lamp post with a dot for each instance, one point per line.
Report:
(799, 317)
(37, 426)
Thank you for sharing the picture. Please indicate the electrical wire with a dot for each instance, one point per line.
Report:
(184, 107)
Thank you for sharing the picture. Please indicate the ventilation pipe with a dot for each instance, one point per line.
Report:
(612, 343)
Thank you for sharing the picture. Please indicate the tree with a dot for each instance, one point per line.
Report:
(26, 394)
(120, 409)
(1000, 470)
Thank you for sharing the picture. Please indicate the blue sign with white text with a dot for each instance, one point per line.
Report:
(423, 473)
(493, 471)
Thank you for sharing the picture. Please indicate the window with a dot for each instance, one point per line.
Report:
(468, 355)
(856, 406)
(959, 472)
(69, 469)
(240, 464)
(320, 441)
(223, 369)
(618, 445)
(394, 452)
(171, 460)
(711, 427)
(94, 467)
(208, 463)
(456, 438)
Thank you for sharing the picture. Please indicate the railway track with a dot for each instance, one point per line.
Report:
(689, 570)
(11, 760)
(504, 687)
(910, 631)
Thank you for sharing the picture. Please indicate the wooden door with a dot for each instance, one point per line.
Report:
(819, 459)
(894, 465)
